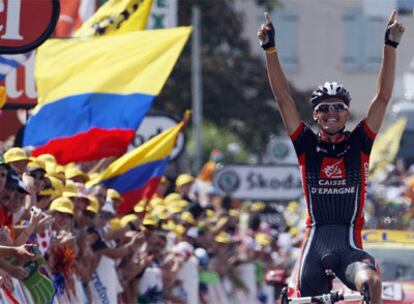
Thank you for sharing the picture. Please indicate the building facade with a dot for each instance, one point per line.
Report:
(334, 40)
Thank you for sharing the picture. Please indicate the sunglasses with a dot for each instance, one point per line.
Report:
(3, 174)
(39, 176)
(105, 216)
(89, 214)
(326, 107)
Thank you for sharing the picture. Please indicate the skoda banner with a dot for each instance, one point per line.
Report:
(259, 182)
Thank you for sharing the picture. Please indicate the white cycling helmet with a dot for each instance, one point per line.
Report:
(329, 90)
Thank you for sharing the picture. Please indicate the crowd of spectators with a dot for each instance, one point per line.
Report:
(390, 198)
(187, 244)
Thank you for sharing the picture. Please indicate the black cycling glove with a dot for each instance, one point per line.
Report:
(270, 38)
(392, 38)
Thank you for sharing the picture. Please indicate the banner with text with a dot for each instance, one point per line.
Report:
(259, 182)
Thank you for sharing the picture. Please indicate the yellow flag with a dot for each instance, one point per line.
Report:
(115, 17)
(386, 147)
(139, 61)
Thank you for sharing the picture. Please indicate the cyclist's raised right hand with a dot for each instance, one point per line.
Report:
(266, 33)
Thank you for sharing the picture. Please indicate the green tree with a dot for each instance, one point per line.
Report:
(230, 144)
(236, 93)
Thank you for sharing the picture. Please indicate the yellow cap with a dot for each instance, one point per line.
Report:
(258, 206)
(15, 154)
(47, 158)
(179, 229)
(234, 213)
(57, 184)
(60, 169)
(158, 210)
(140, 206)
(289, 221)
(128, 219)
(262, 239)
(70, 189)
(188, 218)
(184, 179)
(112, 194)
(73, 171)
(36, 164)
(55, 170)
(182, 203)
(170, 225)
(210, 213)
(115, 224)
(174, 209)
(161, 214)
(157, 201)
(293, 231)
(149, 221)
(202, 225)
(93, 204)
(172, 197)
(51, 170)
(293, 206)
(222, 221)
(56, 190)
(62, 204)
(222, 238)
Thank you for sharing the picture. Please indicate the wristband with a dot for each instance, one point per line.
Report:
(388, 41)
(271, 50)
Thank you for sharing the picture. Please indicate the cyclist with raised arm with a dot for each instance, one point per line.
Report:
(334, 167)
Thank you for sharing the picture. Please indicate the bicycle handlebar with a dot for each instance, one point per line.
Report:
(328, 298)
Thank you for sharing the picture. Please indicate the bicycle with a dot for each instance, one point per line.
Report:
(328, 261)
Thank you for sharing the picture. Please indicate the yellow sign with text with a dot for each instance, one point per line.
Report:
(388, 236)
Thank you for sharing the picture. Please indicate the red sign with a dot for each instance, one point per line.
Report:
(25, 24)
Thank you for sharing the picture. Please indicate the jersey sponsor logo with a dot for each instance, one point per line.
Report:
(329, 190)
(332, 168)
(330, 182)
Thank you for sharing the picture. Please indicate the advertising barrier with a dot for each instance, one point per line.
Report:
(259, 182)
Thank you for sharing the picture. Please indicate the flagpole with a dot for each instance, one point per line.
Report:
(196, 87)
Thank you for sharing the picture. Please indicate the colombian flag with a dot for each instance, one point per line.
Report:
(137, 174)
(94, 92)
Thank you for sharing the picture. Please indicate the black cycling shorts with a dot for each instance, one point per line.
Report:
(335, 240)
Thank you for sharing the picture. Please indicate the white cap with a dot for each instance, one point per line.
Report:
(108, 207)
(193, 232)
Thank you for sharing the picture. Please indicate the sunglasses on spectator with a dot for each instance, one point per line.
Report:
(105, 215)
(3, 174)
(326, 107)
(38, 175)
(88, 214)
